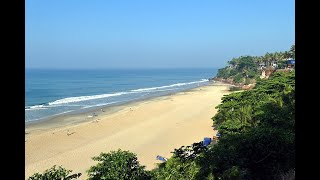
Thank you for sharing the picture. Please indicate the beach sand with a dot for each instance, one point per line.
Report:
(148, 128)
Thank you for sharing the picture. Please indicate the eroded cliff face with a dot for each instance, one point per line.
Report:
(241, 85)
(228, 80)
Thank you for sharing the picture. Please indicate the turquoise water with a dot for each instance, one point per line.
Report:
(52, 92)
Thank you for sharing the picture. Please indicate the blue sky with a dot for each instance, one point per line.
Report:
(153, 33)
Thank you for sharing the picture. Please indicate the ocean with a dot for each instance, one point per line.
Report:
(51, 92)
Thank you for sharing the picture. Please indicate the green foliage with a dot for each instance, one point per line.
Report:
(245, 68)
(293, 51)
(183, 164)
(225, 72)
(282, 64)
(238, 78)
(231, 127)
(117, 165)
(174, 168)
(232, 72)
(54, 173)
(261, 153)
(276, 83)
(258, 131)
(252, 73)
(230, 117)
(247, 63)
(235, 88)
(257, 140)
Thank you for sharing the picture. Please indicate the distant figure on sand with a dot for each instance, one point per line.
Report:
(96, 121)
(69, 133)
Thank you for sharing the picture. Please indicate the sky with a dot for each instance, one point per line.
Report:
(89, 34)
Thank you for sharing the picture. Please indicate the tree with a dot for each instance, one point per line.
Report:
(117, 165)
(54, 173)
(183, 164)
(292, 51)
(286, 55)
(257, 131)
(267, 58)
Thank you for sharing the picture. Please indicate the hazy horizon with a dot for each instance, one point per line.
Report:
(142, 34)
(115, 68)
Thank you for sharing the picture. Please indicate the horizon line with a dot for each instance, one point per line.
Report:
(116, 68)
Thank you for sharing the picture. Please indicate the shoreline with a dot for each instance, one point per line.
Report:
(31, 118)
(148, 127)
(80, 117)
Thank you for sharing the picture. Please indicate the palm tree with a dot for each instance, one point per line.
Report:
(292, 51)
(274, 57)
(256, 59)
(280, 56)
(277, 101)
(286, 55)
(245, 116)
(267, 59)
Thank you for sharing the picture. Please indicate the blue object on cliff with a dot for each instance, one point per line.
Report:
(218, 134)
(206, 141)
(161, 158)
(291, 62)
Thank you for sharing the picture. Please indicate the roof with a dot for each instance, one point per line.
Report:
(292, 61)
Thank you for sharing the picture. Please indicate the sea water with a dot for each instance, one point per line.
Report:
(51, 92)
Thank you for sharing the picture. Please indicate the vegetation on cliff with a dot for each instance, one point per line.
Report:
(257, 130)
(247, 69)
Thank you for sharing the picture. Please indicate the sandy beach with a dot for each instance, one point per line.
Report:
(148, 128)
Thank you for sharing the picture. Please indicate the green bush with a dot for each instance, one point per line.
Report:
(281, 64)
(223, 73)
(235, 88)
(54, 173)
(238, 78)
(252, 73)
(257, 140)
(183, 164)
(257, 130)
(174, 168)
(117, 165)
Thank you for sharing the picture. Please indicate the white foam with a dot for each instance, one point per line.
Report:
(36, 107)
(102, 104)
(169, 86)
(84, 98)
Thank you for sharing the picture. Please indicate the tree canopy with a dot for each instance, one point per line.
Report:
(55, 173)
(245, 69)
(117, 165)
(257, 141)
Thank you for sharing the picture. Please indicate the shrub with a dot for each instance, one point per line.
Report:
(235, 88)
(54, 173)
(117, 165)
